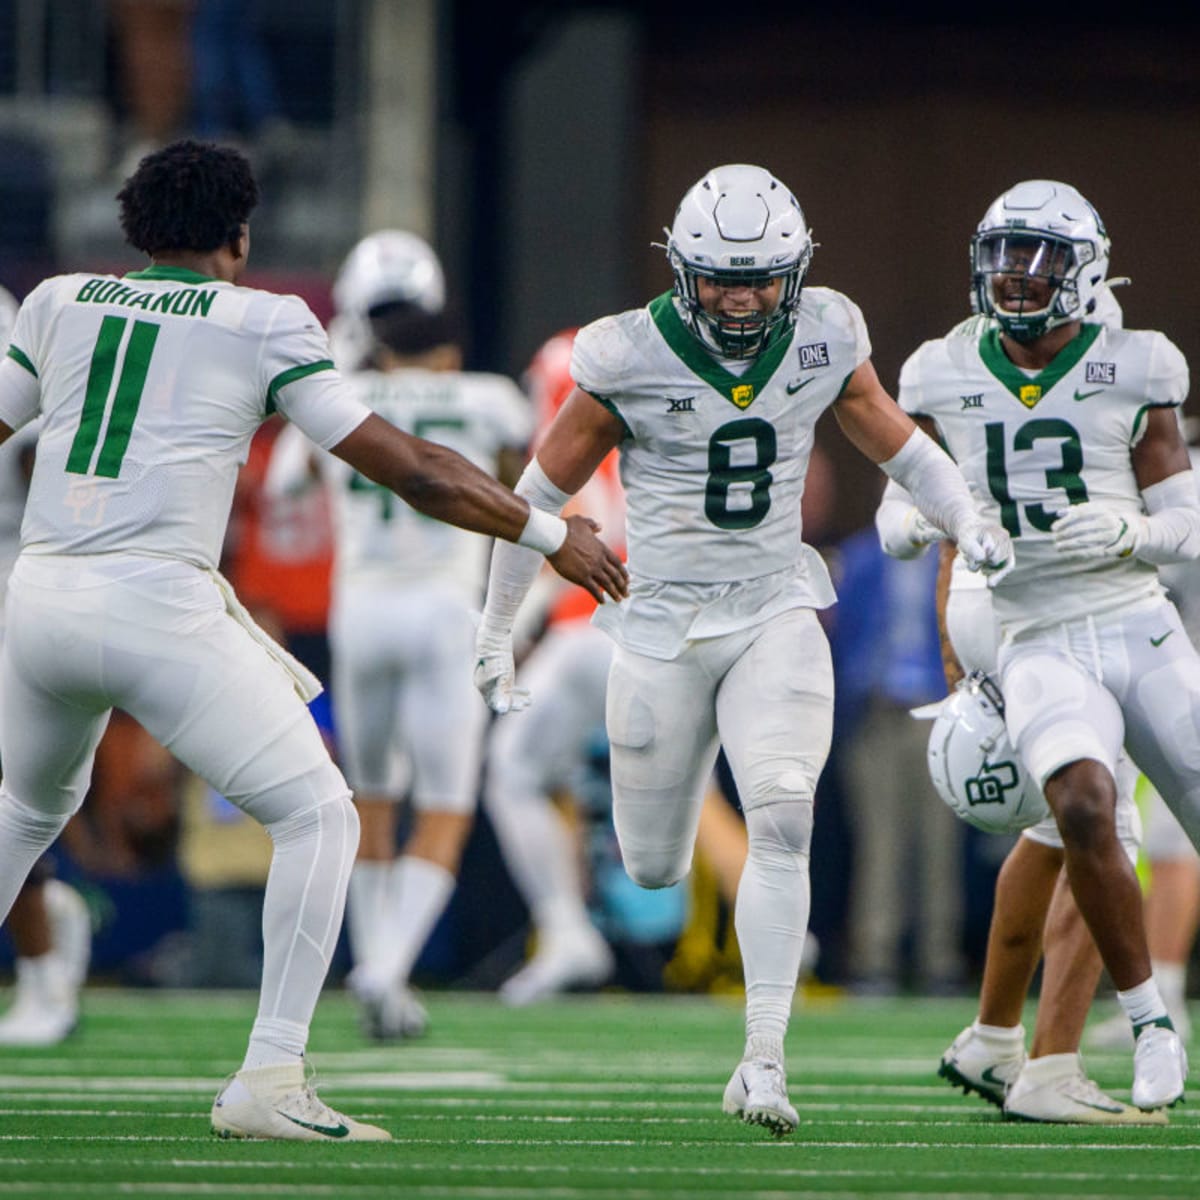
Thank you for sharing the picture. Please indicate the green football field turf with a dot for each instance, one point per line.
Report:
(587, 1097)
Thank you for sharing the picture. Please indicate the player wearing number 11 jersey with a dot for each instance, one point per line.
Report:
(150, 388)
(1067, 431)
(712, 394)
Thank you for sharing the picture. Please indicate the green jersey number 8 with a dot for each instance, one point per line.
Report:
(752, 479)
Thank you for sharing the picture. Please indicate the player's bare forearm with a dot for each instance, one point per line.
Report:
(869, 417)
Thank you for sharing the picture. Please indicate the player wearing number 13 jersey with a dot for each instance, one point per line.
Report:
(712, 393)
(1067, 432)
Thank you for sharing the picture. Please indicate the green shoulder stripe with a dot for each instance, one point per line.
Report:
(19, 356)
(692, 354)
(290, 376)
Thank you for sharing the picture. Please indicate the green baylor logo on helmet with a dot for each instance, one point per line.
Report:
(991, 784)
(973, 764)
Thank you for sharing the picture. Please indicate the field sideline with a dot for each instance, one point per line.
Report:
(611, 1096)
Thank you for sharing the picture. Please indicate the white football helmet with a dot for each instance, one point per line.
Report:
(389, 267)
(8, 317)
(739, 224)
(973, 764)
(1045, 229)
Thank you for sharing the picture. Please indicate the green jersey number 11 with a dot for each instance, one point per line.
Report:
(128, 395)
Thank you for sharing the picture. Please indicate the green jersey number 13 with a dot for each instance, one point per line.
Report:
(1067, 476)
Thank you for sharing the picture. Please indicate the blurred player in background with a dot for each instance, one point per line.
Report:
(712, 394)
(50, 927)
(405, 591)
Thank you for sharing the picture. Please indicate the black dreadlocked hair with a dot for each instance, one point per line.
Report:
(187, 196)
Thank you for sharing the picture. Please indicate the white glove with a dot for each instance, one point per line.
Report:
(986, 547)
(1093, 531)
(495, 674)
(920, 530)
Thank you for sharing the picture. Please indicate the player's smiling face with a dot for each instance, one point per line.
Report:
(742, 299)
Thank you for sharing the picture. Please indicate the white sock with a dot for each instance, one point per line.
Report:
(1144, 1005)
(771, 919)
(1004, 1034)
(365, 906)
(418, 892)
(302, 917)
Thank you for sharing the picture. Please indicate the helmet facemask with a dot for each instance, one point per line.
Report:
(1039, 259)
(743, 336)
(1004, 264)
(739, 226)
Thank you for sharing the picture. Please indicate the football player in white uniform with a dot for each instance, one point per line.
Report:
(1066, 430)
(406, 591)
(150, 388)
(1034, 911)
(49, 924)
(712, 394)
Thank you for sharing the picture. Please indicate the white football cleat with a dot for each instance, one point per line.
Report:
(757, 1092)
(279, 1103)
(986, 1063)
(1160, 1067)
(1054, 1089)
(45, 1007)
(579, 960)
(395, 1016)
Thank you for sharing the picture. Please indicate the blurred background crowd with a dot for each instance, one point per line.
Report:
(540, 148)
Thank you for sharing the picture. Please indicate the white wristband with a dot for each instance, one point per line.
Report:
(543, 532)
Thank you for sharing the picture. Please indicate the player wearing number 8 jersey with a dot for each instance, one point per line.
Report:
(150, 388)
(712, 394)
(1067, 432)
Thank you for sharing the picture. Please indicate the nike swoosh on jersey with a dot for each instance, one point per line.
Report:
(331, 1131)
(797, 384)
(1158, 641)
(1087, 395)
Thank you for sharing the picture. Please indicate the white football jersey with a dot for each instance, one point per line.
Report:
(150, 387)
(714, 462)
(1032, 444)
(378, 537)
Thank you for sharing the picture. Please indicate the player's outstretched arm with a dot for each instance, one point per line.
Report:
(887, 435)
(443, 484)
(580, 436)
